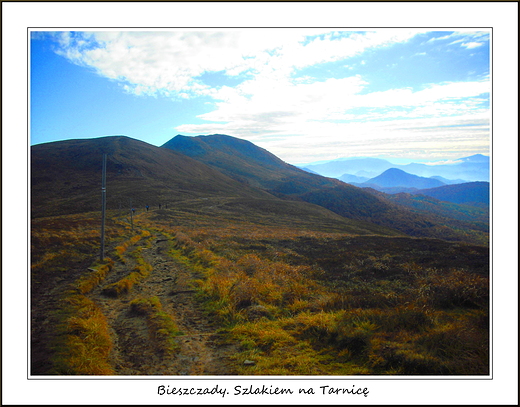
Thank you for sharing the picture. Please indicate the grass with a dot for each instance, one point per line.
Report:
(305, 302)
(162, 326)
(64, 266)
(83, 344)
(298, 301)
(141, 270)
(89, 281)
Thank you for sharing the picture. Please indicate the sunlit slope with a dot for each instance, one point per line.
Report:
(242, 160)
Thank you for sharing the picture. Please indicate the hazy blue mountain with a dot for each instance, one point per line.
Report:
(350, 179)
(472, 168)
(308, 170)
(449, 181)
(370, 166)
(470, 193)
(395, 177)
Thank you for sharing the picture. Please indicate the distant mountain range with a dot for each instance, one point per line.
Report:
(395, 181)
(473, 168)
(219, 174)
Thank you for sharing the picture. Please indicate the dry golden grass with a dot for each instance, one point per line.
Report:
(89, 281)
(381, 313)
(83, 345)
(162, 326)
(139, 273)
(302, 302)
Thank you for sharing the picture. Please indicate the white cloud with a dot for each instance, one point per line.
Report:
(167, 62)
(470, 45)
(280, 105)
(271, 105)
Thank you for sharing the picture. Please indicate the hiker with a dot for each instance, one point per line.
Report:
(147, 208)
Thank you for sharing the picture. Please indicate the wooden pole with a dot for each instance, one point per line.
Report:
(103, 206)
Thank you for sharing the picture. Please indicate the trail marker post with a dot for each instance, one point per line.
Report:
(103, 206)
(131, 215)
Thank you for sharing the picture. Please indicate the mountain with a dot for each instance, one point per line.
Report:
(255, 167)
(472, 168)
(369, 167)
(448, 181)
(351, 179)
(66, 176)
(395, 177)
(216, 178)
(66, 179)
(236, 158)
(470, 193)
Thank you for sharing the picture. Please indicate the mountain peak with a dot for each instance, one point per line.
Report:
(225, 150)
(394, 177)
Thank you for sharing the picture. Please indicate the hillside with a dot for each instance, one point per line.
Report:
(395, 177)
(471, 221)
(66, 176)
(66, 179)
(469, 193)
(255, 166)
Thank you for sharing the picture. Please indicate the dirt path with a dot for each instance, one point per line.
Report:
(201, 350)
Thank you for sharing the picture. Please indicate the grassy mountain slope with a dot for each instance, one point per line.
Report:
(470, 193)
(66, 176)
(255, 166)
(449, 218)
(66, 179)
(245, 162)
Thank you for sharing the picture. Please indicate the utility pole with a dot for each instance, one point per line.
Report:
(103, 206)
(131, 215)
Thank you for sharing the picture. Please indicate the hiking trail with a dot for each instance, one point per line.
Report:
(202, 350)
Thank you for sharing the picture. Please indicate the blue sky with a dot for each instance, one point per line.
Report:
(306, 95)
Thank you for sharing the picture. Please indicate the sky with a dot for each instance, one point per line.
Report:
(305, 95)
